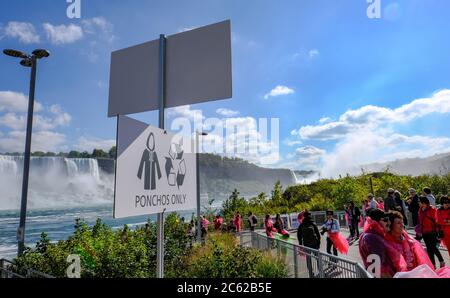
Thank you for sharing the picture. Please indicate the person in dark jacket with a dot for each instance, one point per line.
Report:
(278, 224)
(354, 215)
(389, 201)
(308, 235)
(400, 206)
(413, 205)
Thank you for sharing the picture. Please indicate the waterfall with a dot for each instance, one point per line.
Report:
(295, 179)
(13, 165)
(55, 182)
(8, 165)
(72, 168)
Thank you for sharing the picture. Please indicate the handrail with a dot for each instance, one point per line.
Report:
(7, 265)
(350, 268)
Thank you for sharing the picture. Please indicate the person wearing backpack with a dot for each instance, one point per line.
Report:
(308, 235)
(252, 221)
(428, 230)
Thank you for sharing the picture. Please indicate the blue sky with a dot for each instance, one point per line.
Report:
(351, 90)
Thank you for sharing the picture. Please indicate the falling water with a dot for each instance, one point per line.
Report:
(55, 182)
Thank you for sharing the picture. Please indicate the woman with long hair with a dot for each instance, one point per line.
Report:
(405, 252)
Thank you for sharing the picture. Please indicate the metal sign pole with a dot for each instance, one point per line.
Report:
(162, 100)
(199, 223)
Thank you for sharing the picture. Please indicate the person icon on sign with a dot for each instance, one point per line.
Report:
(149, 160)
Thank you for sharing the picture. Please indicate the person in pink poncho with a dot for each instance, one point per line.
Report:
(372, 242)
(268, 225)
(405, 252)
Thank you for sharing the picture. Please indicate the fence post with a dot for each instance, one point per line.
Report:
(2, 267)
(295, 261)
(320, 265)
(278, 247)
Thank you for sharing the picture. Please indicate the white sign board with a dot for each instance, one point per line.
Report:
(153, 171)
(294, 220)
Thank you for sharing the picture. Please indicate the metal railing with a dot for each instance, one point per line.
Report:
(9, 269)
(304, 262)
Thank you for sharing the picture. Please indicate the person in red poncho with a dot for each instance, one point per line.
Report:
(405, 252)
(238, 222)
(372, 242)
(218, 221)
(428, 228)
(444, 222)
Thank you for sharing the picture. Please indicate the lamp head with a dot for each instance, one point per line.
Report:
(41, 53)
(26, 62)
(15, 53)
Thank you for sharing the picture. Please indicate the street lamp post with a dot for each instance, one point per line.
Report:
(27, 61)
(199, 224)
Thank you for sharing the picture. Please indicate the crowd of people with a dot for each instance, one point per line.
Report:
(384, 233)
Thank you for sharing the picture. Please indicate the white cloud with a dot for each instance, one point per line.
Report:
(25, 32)
(368, 146)
(371, 117)
(41, 141)
(279, 91)
(227, 112)
(40, 123)
(241, 137)
(186, 112)
(313, 53)
(13, 117)
(324, 120)
(13, 121)
(89, 144)
(304, 158)
(290, 143)
(99, 26)
(309, 151)
(16, 102)
(368, 135)
(63, 34)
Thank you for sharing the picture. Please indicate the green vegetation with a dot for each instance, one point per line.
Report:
(125, 253)
(331, 194)
(222, 257)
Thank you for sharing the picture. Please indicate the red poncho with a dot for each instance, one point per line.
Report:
(444, 225)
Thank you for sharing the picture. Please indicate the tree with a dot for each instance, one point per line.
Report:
(277, 195)
(112, 152)
(234, 204)
(99, 153)
(74, 154)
